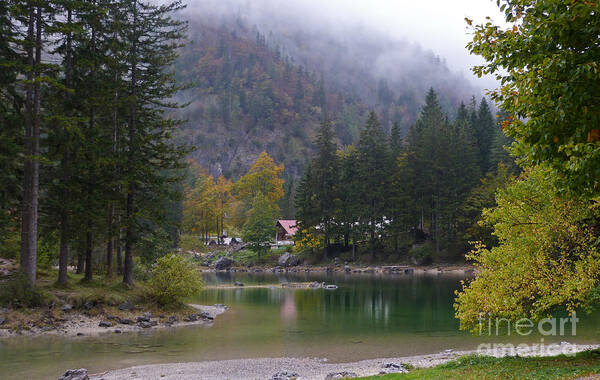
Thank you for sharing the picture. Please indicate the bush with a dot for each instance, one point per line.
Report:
(17, 292)
(141, 270)
(173, 278)
(10, 243)
(47, 255)
(422, 254)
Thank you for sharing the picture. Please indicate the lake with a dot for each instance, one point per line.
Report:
(368, 316)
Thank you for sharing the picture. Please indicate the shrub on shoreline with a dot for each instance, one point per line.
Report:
(173, 278)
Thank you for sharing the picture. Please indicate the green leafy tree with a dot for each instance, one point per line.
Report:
(546, 60)
(259, 230)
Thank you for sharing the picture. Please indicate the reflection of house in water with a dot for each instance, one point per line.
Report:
(286, 229)
(288, 310)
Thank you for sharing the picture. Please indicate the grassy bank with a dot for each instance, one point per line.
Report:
(474, 367)
(100, 298)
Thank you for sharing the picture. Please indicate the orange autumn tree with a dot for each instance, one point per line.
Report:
(200, 206)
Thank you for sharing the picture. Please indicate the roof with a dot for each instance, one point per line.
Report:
(289, 226)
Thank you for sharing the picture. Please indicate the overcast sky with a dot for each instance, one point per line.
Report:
(438, 25)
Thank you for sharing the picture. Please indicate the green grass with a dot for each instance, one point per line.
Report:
(484, 367)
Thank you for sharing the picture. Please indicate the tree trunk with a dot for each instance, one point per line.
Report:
(88, 251)
(28, 260)
(131, 188)
(63, 258)
(109, 243)
(119, 256)
(80, 262)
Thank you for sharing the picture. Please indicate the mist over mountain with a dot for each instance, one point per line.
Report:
(264, 52)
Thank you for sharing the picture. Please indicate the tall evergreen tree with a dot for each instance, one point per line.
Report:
(373, 155)
(395, 140)
(151, 36)
(484, 133)
(11, 139)
(325, 178)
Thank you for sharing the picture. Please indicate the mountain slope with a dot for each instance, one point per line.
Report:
(263, 81)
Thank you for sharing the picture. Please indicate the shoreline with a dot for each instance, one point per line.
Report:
(305, 368)
(76, 324)
(392, 269)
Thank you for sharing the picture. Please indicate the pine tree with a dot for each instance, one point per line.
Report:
(11, 139)
(484, 132)
(395, 140)
(373, 154)
(325, 178)
(151, 36)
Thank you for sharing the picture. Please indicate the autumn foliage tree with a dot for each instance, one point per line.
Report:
(547, 221)
(548, 257)
(263, 177)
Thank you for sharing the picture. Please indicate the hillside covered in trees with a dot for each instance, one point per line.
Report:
(265, 84)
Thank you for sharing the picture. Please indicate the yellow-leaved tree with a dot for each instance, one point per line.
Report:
(263, 177)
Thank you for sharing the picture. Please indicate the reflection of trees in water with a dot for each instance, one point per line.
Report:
(399, 303)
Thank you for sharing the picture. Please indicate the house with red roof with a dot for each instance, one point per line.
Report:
(286, 229)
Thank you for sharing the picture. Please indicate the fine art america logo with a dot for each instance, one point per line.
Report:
(548, 327)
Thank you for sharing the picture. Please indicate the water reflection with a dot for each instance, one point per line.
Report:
(368, 316)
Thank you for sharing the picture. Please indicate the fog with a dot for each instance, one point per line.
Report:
(431, 25)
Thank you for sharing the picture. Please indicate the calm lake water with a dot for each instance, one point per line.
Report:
(369, 316)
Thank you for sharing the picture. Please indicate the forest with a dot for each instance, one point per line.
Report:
(419, 194)
(90, 170)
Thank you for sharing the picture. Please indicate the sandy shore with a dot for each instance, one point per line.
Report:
(78, 324)
(305, 368)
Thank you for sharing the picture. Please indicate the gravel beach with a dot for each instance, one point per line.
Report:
(305, 368)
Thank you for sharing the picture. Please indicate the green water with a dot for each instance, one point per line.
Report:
(369, 316)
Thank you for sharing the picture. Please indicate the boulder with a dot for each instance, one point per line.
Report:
(75, 374)
(67, 307)
(126, 321)
(143, 318)
(340, 375)
(172, 319)
(285, 375)
(393, 368)
(145, 325)
(104, 324)
(223, 263)
(125, 306)
(289, 260)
